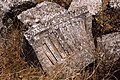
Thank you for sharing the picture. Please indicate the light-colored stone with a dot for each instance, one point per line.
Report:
(115, 3)
(41, 13)
(60, 35)
(110, 46)
(1, 14)
(6, 4)
(93, 5)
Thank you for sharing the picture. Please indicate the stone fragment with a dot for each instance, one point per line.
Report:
(6, 4)
(115, 3)
(61, 35)
(9, 21)
(10, 16)
(110, 46)
(1, 24)
(1, 14)
(93, 5)
(41, 13)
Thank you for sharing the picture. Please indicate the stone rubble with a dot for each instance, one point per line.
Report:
(57, 34)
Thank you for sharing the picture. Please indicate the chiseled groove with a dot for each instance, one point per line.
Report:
(65, 50)
(55, 48)
(47, 51)
(61, 35)
(61, 46)
(85, 23)
(64, 31)
(50, 51)
(70, 48)
(49, 58)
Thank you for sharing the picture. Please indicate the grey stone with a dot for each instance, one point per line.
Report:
(11, 8)
(41, 13)
(92, 5)
(1, 14)
(9, 16)
(6, 4)
(110, 46)
(59, 36)
(115, 3)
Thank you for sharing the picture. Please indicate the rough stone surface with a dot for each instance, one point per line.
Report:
(115, 3)
(41, 13)
(110, 46)
(61, 35)
(93, 5)
(6, 4)
(1, 24)
(10, 26)
(11, 8)
(1, 14)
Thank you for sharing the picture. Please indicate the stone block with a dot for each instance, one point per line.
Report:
(60, 36)
(92, 5)
(110, 46)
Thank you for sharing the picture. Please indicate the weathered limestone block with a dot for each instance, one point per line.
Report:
(110, 46)
(41, 13)
(93, 5)
(61, 35)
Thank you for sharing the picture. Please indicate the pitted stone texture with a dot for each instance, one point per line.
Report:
(1, 14)
(56, 20)
(110, 46)
(6, 4)
(55, 43)
(64, 35)
(115, 3)
(81, 12)
(60, 19)
(42, 13)
(93, 5)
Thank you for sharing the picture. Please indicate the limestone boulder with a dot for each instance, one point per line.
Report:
(110, 46)
(41, 13)
(92, 5)
(57, 35)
